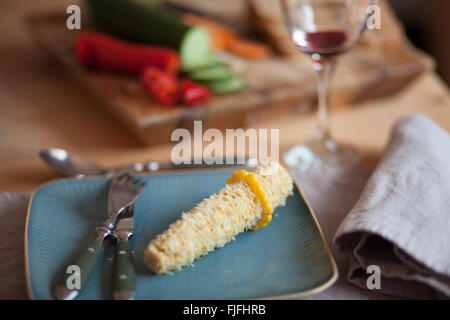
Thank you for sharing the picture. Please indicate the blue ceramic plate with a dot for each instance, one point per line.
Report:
(287, 259)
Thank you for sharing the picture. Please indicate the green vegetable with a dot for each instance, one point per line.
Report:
(150, 23)
(210, 63)
(195, 48)
(211, 75)
(231, 85)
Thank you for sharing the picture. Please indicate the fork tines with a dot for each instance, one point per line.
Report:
(128, 179)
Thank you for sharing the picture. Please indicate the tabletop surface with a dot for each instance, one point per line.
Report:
(41, 106)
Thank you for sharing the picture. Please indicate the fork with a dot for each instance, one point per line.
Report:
(123, 191)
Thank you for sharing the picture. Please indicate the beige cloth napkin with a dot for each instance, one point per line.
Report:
(401, 222)
(13, 211)
(332, 193)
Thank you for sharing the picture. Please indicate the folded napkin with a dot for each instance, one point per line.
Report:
(13, 211)
(401, 222)
(332, 192)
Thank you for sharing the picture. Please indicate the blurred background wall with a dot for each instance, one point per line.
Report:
(427, 24)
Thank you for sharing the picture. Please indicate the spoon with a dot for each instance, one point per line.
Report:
(72, 165)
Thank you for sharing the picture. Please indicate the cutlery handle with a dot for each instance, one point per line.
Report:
(124, 274)
(73, 283)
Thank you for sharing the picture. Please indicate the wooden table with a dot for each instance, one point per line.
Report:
(41, 106)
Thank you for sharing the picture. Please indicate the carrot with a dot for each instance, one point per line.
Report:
(224, 38)
(248, 49)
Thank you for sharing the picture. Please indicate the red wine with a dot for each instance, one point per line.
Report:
(325, 43)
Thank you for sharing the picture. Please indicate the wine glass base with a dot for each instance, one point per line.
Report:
(320, 153)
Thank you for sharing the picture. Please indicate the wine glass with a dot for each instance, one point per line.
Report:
(324, 29)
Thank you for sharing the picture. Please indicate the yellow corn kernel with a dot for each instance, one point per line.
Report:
(253, 183)
(267, 218)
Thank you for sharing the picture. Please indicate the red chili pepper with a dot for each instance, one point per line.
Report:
(161, 85)
(193, 92)
(104, 52)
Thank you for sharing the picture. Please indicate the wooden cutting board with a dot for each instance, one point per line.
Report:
(276, 87)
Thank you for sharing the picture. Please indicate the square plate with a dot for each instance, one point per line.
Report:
(287, 259)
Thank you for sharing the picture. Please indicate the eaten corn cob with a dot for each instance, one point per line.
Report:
(246, 202)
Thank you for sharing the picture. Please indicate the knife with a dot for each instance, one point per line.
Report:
(124, 275)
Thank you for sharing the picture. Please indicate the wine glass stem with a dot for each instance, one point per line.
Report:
(325, 71)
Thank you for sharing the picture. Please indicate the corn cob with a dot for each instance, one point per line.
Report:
(217, 220)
